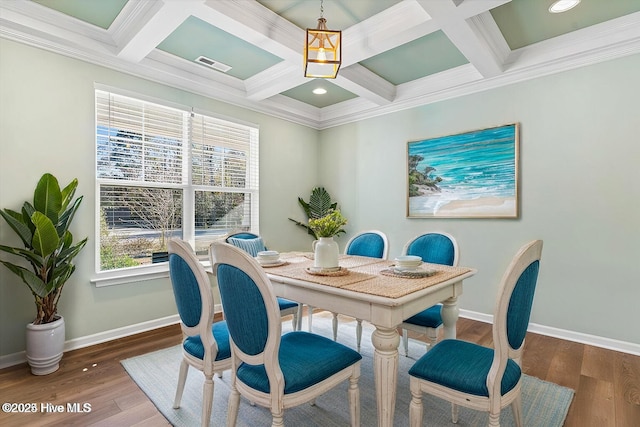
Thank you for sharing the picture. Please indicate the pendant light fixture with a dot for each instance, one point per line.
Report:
(322, 50)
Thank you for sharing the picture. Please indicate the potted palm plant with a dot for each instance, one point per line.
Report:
(43, 228)
(318, 206)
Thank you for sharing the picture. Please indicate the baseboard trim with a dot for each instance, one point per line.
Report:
(594, 340)
(89, 340)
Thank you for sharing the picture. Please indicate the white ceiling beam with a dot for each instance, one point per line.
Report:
(466, 35)
(357, 79)
(393, 27)
(255, 24)
(469, 8)
(45, 23)
(154, 21)
(274, 80)
(285, 76)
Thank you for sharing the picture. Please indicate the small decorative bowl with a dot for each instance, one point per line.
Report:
(408, 261)
(268, 256)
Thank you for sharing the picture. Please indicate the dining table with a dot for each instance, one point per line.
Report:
(371, 289)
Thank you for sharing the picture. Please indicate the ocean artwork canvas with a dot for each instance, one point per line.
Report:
(466, 175)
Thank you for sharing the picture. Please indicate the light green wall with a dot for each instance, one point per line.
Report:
(47, 125)
(579, 189)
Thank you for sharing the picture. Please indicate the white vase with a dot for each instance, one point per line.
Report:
(325, 253)
(45, 345)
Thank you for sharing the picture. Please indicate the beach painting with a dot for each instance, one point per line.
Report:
(467, 175)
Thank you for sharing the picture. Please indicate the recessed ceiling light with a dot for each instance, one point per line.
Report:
(319, 91)
(560, 6)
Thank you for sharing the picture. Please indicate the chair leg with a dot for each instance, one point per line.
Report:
(358, 333)
(310, 317)
(415, 407)
(233, 406)
(405, 342)
(516, 407)
(299, 326)
(494, 419)
(454, 413)
(207, 400)
(182, 379)
(432, 335)
(354, 398)
(294, 321)
(334, 323)
(277, 419)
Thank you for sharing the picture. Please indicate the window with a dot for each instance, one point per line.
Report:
(164, 172)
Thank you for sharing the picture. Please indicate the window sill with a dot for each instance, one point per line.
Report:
(133, 275)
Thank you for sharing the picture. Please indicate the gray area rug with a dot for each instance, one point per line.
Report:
(544, 404)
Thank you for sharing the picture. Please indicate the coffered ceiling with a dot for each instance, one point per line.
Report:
(397, 54)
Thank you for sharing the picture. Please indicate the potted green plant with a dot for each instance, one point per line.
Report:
(325, 249)
(318, 206)
(43, 228)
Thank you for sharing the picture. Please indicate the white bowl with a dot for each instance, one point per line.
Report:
(268, 256)
(408, 261)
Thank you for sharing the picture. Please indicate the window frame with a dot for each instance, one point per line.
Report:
(188, 188)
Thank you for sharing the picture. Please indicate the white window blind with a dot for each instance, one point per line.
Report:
(165, 172)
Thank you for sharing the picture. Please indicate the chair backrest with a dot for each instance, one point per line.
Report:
(192, 291)
(513, 309)
(436, 248)
(248, 242)
(250, 309)
(372, 243)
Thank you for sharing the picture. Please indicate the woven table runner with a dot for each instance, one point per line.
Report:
(298, 262)
(396, 287)
(364, 275)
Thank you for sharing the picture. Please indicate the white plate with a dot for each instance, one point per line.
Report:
(268, 262)
(273, 264)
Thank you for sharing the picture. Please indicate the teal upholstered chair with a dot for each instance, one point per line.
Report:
(252, 244)
(374, 244)
(436, 248)
(206, 344)
(268, 368)
(477, 377)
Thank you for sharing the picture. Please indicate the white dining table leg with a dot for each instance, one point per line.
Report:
(385, 370)
(449, 313)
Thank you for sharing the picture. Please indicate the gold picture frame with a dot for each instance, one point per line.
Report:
(466, 175)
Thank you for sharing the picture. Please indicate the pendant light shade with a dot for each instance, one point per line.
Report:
(322, 51)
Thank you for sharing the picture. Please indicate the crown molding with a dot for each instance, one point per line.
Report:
(27, 23)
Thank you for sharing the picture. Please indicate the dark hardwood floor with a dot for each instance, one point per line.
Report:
(607, 383)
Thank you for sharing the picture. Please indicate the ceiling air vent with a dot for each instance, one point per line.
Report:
(216, 65)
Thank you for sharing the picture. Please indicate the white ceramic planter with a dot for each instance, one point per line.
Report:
(45, 345)
(325, 253)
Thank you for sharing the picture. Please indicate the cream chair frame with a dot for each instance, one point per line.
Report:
(277, 401)
(430, 333)
(385, 255)
(495, 402)
(208, 365)
(295, 311)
